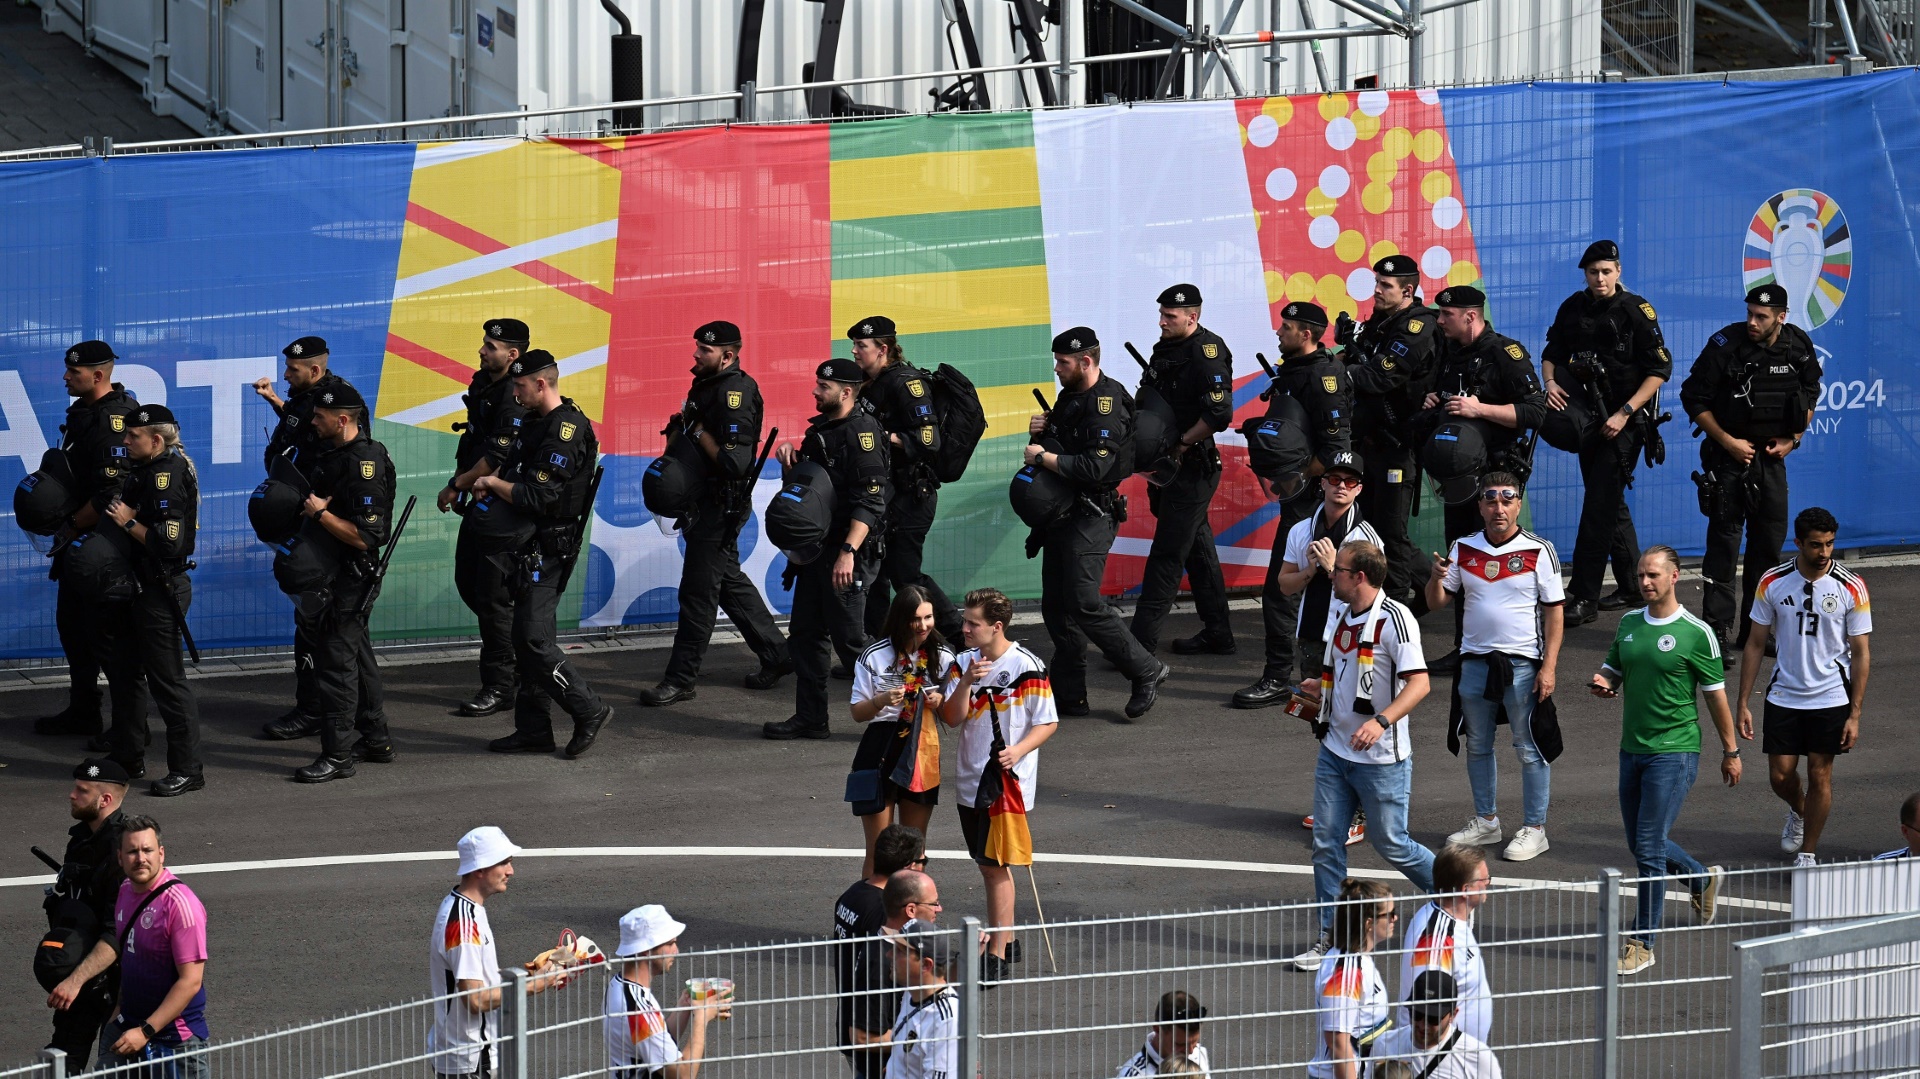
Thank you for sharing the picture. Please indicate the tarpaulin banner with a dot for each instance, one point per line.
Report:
(977, 234)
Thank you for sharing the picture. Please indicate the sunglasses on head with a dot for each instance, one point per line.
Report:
(1506, 496)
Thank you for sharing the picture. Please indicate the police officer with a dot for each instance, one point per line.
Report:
(547, 476)
(1605, 349)
(829, 593)
(294, 437)
(1192, 368)
(82, 899)
(493, 419)
(159, 507)
(91, 440)
(1752, 391)
(1310, 375)
(351, 507)
(1391, 359)
(1087, 439)
(722, 416)
(901, 397)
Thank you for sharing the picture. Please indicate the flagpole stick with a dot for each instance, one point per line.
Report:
(1038, 909)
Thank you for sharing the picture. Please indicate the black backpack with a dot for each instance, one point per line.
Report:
(956, 404)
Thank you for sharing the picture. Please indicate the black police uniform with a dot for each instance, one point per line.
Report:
(493, 420)
(330, 631)
(901, 397)
(1195, 375)
(727, 406)
(551, 467)
(1755, 392)
(1093, 430)
(1602, 349)
(1497, 370)
(853, 450)
(141, 650)
(1391, 363)
(83, 897)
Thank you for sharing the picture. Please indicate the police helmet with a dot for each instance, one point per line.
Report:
(1573, 429)
(1039, 496)
(99, 565)
(44, 500)
(308, 561)
(801, 514)
(1454, 458)
(676, 480)
(1153, 429)
(274, 509)
(1278, 447)
(497, 524)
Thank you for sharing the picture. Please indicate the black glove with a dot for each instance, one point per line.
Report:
(1035, 541)
(1345, 330)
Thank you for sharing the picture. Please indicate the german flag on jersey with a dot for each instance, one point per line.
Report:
(1433, 949)
(1348, 979)
(462, 929)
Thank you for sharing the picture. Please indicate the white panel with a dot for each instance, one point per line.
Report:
(249, 105)
(304, 64)
(126, 28)
(187, 38)
(366, 60)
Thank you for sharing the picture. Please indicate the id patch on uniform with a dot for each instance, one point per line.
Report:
(1104, 404)
(926, 436)
(1415, 325)
(1647, 310)
(1516, 352)
(1217, 396)
(366, 470)
(734, 397)
(916, 387)
(1329, 383)
(1395, 475)
(1101, 452)
(119, 423)
(567, 430)
(866, 441)
(173, 530)
(541, 476)
(162, 480)
(1211, 352)
(557, 460)
(503, 440)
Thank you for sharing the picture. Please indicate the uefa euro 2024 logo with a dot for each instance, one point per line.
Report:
(1799, 238)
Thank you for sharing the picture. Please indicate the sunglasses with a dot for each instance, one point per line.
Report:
(1341, 481)
(1506, 497)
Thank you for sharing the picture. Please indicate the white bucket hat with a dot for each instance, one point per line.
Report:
(484, 848)
(643, 929)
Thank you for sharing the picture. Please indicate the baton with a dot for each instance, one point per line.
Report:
(47, 858)
(1137, 358)
(380, 572)
(1042, 398)
(766, 451)
(1273, 376)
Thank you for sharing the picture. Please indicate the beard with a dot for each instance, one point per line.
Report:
(84, 814)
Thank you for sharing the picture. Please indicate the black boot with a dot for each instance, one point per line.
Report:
(790, 728)
(1620, 599)
(768, 676)
(1202, 644)
(489, 700)
(665, 693)
(586, 730)
(294, 724)
(1580, 611)
(325, 769)
(174, 784)
(1265, 693)
(1146, 691)
(67, 722)
(1072, 708)
(363, 750)
(520, 742)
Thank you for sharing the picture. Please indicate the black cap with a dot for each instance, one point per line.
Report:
(1180, 296)
(306, 348)
(101, 770)
(148, 415)
(841, 369)
(532, 362)
(1179, 1006)
(1397, 266)
(1768, 295)
(1461, 296)
(1077, 339)
(877, 326)
(1600, 251)
(718, 334)
(510, 330)
(1302, 311)
(929, 941)
(1435, 993)
(1348, 461)
(341, 396)
(90, 354)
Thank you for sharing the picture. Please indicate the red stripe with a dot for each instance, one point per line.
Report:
(554, 277)
(473, 239)
(441, 225)
(429, 359)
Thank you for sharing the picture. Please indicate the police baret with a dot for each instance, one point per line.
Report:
(1397, 266)
(149, 415)
(1304, 311)
(1077, 339)
(1600, 251)
(1182, 295)
(509, 330)
(306, 348)
(1348, 461)
(1768, 295)
(876, 326)
(101, 770)
(341, 396)
(535, 361)
(1461, 296)
(719, 334)
(841, 369)
(90, 354)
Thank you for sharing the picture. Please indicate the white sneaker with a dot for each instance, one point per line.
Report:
(1310, 959)
(1793, 834)
(1804, 860)
(1478, 832)
(1357, 831)
(1528, 843)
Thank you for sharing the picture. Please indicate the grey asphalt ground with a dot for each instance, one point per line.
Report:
(1193, 779)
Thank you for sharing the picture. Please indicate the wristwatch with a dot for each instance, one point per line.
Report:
(128, 524)
(849, 548)
(147, 1029)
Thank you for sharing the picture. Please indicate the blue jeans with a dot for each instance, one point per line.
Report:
(1536, 775)
(1339, 787)
(1653, 787)
(165, 1064)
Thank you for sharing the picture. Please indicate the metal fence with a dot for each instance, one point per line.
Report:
(1079, 1000)
(1647, 37)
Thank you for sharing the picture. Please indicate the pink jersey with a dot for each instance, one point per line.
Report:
(171, 931)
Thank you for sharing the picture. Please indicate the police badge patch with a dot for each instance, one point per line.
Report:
(926, 436)
(1104, 404)
(1647, 310)
(161, 480)
(866, 441)
(118, 423)
(733, 398)
(173, 530)
(366, 470)
(1516, 352)
(541, 476)
(567, 430)
(916, 387)
(1217, 396)
(1211, 352)
(1329, 383)
(1414, 326)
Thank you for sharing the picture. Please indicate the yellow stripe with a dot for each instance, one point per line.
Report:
(935, 183)
(1009, 407)
(941, 302)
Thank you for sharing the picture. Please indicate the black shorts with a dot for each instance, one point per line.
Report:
(1796, 732)
(879, 750)
(974, 824)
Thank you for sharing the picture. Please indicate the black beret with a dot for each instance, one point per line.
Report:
(148, 415)
(1397, 266)
(101, 770)
(1077, 339)
(718, 334)
(1301, 311)
(840, 369)
(1350, 461)
(532, 362)
(306, 348)
(877, 326)
(341, 396)
(1768, 295)
(511, 330)
(1461, 296)
(1600, 251)
(1180, 296)
(90, 354)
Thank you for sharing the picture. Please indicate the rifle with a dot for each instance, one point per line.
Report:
(380, 568)
(579, 537)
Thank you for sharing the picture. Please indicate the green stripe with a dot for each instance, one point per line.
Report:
(977, 540)
(1006, 356)
(936, 243)
(930, 134)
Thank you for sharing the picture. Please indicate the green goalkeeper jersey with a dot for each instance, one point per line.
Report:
(1663, 663)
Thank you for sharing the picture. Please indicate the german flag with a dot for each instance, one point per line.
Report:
(918, 768)
(1008, 840)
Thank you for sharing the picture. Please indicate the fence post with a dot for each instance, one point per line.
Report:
(969, 998)
(1606, 1003)
(1745, 1011)
(513, 1024)
(56, 1062)
(749, 102)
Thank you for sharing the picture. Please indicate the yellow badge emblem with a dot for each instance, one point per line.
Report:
(1217, 396)
(162, 480)
(926, 436)
(540, 476)
(916, 387)
(111, 472)
(1516, 352)
(1386, 365)
(568, 430)
(733, 398)
(1329, 383)
(1647, 310)
(866, 441)
(366, 470)
(1104, 404)
(1415, 325)
(1211, 352)
(1101, 452)
(119, 423)
(173, 530)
